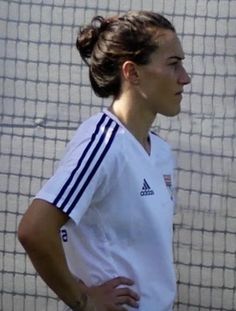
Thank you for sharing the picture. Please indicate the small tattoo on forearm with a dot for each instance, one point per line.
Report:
(79, 305)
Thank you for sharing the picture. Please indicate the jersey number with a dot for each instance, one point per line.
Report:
(64, 235)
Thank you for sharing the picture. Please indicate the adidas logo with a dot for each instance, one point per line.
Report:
(146, 190)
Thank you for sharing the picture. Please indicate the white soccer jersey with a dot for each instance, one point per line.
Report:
(120, 204)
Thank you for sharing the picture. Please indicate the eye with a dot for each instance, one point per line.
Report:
(174, 64)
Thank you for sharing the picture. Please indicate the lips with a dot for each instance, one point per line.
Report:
(179, 93)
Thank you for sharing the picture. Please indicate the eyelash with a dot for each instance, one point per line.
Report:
(175, 65)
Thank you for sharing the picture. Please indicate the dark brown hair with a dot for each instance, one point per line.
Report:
(107, 43)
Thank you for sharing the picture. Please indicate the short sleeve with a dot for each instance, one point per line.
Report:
(74, 183)
(80, 174)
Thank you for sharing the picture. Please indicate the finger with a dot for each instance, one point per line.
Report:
(120, 308)
(120, 280)
(127, 292)
(128, 301)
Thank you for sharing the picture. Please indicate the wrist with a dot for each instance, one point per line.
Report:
(80, 304)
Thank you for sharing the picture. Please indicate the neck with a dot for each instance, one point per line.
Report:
(135, 117)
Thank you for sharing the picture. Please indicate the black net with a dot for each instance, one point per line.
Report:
(45, 94)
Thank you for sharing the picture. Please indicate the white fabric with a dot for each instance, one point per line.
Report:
(121, 209)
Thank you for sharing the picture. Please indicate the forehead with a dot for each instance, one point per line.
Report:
(168, 45)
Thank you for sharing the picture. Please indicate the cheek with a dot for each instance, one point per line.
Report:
(163, 77)
(163, 85)
(158, 82)
(168, 82)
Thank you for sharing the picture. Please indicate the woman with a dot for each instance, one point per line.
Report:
(100, 230)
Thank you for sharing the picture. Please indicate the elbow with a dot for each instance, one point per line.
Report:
(26, 234)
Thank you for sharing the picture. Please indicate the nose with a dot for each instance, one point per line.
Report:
(184, 78)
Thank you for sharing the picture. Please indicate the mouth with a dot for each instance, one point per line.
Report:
(179, 93)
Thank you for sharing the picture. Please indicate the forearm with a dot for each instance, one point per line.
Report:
(39, 233)
(49, 261)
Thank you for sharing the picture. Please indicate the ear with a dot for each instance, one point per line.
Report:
(130, 72)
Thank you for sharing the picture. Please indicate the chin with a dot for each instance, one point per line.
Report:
(172, 113)
(171, 110)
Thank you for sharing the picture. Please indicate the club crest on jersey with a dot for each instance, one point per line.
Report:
(146, 189)
(168, 182)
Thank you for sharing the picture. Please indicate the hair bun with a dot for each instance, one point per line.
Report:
(89, 35)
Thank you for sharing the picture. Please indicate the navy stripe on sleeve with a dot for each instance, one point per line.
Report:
(93, 137)
(86, 166)
(93, 171)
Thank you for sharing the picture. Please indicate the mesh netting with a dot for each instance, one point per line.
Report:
(45, 95)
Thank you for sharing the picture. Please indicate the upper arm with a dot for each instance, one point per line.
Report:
(41, 220)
